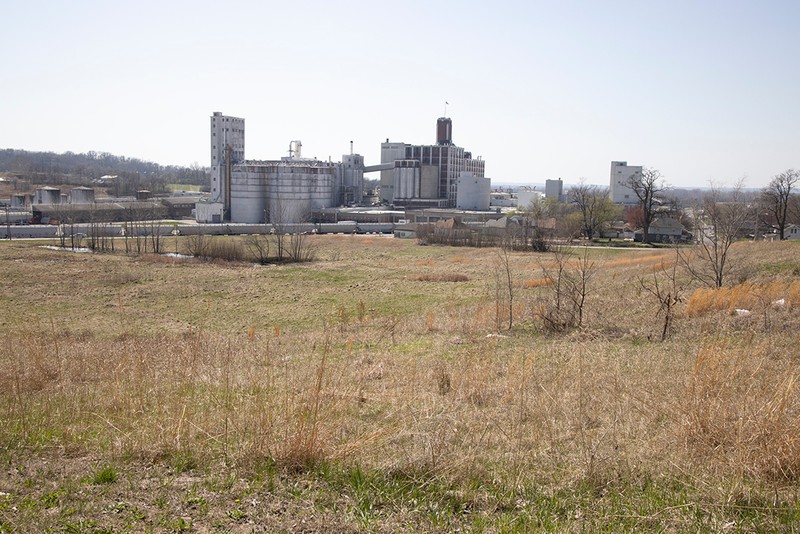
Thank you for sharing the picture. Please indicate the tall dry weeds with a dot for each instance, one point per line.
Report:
(743, 409)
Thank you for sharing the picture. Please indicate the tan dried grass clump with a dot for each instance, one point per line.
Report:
(747, 295)
(640, 259)
(537, 282)
(742, 408)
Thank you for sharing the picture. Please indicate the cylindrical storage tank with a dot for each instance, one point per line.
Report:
(248, 193)
(47, 195)
(294, 190)
(19, 200)
(81, 195)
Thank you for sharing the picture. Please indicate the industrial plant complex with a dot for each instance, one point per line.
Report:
(290, 189)
(412, 184)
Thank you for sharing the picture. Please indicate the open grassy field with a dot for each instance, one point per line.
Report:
(183, 187)
(379, 388)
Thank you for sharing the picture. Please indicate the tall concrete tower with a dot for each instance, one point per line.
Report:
(227, 149)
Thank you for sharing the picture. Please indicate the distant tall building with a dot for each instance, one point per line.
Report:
(554, 189)
(427, 175)
(619, 190)
(227, 149)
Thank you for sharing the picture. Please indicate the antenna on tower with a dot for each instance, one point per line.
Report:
(351, 148)
(445, 108)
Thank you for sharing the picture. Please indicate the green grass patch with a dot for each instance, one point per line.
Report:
(106, 474)
(784, 267)
(184, 187)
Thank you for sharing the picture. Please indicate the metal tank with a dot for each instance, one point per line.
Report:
(294, 189)
(81, 195)
(248, 193)
(19, 200)
(47, 195)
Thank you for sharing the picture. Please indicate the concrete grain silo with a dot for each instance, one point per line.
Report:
(296, 188)
(249, 193)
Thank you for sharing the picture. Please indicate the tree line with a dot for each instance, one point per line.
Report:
(69, 168)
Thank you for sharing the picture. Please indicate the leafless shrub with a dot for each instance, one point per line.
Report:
(259, 247)
(568, 287)
(666, 287)
(197, 245)
(300, 248)
(225, 249)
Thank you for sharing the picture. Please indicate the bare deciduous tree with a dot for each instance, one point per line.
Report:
(719, 223)
(646, 185)
(777, 196)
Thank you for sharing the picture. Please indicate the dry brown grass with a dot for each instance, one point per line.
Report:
(747, 295)
(742, 409)
(348, 362)
(441, 277)
(536, 282)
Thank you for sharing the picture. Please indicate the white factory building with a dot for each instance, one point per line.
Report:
(273, 191)
(619, 189)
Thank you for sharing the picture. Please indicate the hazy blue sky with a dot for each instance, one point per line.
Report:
(702, 90)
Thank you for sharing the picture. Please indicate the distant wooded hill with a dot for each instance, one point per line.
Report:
(69, 168)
